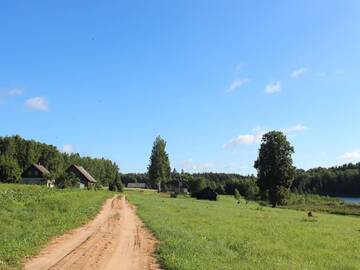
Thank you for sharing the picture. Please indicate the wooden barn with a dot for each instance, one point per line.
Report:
(86, 180)
(37, 174)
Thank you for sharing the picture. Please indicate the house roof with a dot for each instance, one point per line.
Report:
(85, 173)
(41, 168)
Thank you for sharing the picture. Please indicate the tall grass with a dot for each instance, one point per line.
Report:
(226, 235)
(31, 215)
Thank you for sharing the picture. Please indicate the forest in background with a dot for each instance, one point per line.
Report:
(18, 154)
(334, 181)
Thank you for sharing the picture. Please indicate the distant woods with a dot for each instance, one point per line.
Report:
(17, 154)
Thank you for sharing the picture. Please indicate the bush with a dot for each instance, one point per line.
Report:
(237, 195)
(67, 180)
(173, 195)
(116, 185)
(197, 185)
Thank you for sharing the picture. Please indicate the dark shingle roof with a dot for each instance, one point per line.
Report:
(85, 173)
(41, 168)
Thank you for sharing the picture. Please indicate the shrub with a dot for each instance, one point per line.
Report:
(173, 195)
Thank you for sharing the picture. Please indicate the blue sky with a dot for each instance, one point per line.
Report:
(104, 78)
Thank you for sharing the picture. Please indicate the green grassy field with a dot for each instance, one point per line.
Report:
(31, 215)
(226, 235)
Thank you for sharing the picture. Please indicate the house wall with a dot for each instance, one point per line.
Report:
(32, 172)
(83, 182)
(33, 181)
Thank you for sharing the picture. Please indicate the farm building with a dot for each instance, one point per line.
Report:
(207, 194)
(86, 180)
(37, 174)
(136, 185)
(177, 186)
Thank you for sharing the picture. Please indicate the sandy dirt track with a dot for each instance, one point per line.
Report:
(115, 239)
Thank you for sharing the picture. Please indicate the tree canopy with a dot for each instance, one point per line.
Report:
(159, 167)
(274, 167)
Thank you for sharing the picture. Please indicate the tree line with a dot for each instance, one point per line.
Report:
(334, 181)
(17, 154)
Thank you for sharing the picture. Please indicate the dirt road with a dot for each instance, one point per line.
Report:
(115, 239)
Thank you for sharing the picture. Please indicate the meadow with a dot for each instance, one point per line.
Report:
(227, 235)
(32, 215)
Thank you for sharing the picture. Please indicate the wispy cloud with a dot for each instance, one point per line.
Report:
(339, 71)
(236, 84)
(273, 87)
(298, 72)
(13, 92)
(295, 128)
(67, 148)
(321, 74)
(190, 165)
(352, 156)
(37, 104)
(256, 135)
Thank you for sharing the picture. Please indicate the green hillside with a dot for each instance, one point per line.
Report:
(226, 235)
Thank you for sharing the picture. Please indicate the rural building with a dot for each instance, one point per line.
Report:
(37, 174)
(136, 185)
(207, 194)
(86, 180)
(177, 186)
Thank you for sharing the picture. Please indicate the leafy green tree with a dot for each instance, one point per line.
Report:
(67, 180)
(274, 167)
(116, 184)
(196, 185)
(10, 171)
(159, 167)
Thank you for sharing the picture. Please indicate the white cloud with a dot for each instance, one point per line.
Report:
(236, 84)
(37, 103)
(298, 72)
(246, 139)
(14, 92)
(273, 87)
(296, 128)
(257, 134)
(353, 156)
(339, 71)
(68, 149)
(189, 165)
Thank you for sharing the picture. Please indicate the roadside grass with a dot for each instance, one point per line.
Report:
(31, 215)
(226, 235)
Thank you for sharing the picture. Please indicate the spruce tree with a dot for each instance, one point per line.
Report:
(159, 167)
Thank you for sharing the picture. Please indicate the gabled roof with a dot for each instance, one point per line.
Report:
(41, 168)
(84, 173)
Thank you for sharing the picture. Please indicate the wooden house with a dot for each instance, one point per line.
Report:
(86, 180)
(37, 174)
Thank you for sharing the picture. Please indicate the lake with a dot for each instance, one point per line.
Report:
(350, 199)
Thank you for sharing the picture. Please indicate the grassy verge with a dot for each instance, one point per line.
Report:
(316, 203)
(31, 215)
(226, 235)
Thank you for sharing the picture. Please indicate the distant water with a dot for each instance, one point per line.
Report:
(350, 199)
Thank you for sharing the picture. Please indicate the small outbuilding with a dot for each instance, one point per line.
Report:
(207, 194)
(177, 186)
(136, 185)
(86, 180)
(37, 174)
